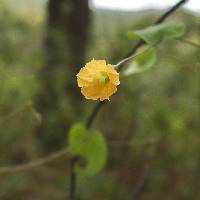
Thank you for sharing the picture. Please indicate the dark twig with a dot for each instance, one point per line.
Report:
(170, 11)
(99, 105)
(72, 182)
(73, 178)
(94, 113)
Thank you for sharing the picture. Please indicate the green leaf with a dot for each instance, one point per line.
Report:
(89, 145)
(157, 33)
(142, 62)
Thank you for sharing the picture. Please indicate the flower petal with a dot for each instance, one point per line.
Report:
(107, 91)
(91, 92)
(84, 78)
(113, 75)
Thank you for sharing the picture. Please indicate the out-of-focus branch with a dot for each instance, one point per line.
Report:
(34, 164)
(58, 154)
(189, 42)
(139, 188)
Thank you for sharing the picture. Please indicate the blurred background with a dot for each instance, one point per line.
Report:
(152, 124)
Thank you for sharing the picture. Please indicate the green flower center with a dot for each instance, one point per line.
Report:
(103, 78)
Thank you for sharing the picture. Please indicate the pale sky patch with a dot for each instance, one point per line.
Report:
(143, 4)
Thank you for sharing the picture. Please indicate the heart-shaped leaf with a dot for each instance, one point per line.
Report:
(89, 145)
(142, 62)
(158, 33)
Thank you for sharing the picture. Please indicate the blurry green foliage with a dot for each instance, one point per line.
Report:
(161, 106)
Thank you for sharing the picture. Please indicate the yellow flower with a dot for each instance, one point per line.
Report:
(98, 80)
